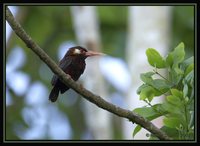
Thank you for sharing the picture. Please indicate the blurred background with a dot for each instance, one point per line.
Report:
(122, 32)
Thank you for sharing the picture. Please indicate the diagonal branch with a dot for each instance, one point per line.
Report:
(100, 102)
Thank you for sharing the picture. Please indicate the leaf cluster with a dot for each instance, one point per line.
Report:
(178, 88)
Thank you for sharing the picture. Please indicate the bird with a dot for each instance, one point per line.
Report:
(73, 64)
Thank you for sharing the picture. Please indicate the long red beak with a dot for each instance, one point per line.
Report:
(92, 53)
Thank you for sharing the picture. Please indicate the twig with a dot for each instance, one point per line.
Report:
(155, 70)
(100, 102)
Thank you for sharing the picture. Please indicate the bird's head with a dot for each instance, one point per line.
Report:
(81, 52)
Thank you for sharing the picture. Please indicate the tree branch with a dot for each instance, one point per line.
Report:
(100, 102)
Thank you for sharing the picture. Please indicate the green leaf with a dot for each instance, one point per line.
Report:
(152, 87)
(178, 54)
(187, 62)
(174, 100)
(150, 112)
(171, 109)
(189, 69)
(161, 85)
(172, 122)
(154, 58)
(174, 77)
(185, 90)
(190, 77)
(147, 93)
(136, 130)
(177, 93)
(141, 88)
(171, 132)
(147, 77)
(178, 71)
(169, 60)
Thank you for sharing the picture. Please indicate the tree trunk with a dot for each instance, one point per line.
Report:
(87, 32)
(148, 27)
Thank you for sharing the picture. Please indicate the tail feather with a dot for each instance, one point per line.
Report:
(54, 94)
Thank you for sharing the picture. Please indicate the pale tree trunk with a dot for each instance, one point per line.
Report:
(87, 32)
(149, 27)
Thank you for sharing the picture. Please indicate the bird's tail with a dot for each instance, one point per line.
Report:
(54, 94)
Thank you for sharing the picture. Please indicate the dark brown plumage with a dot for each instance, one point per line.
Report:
(73, 63)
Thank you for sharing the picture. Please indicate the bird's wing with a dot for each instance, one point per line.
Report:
(64, 63)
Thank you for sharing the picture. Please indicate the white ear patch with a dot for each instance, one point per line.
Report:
(77, 51)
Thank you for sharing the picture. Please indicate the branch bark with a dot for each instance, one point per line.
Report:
(100, 102)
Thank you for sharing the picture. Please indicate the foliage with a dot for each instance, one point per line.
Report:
(178, 87)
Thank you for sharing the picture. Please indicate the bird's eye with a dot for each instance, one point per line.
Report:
(77, 51)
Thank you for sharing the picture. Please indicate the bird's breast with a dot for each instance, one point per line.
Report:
(76, 68)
